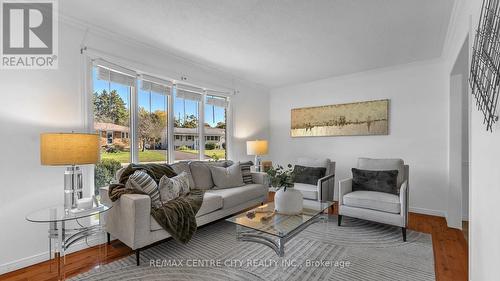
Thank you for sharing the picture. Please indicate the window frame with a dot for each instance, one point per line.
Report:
(199, 138)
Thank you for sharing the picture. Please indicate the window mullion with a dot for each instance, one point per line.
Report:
(201, 126)
(170, 126)
(134, 122)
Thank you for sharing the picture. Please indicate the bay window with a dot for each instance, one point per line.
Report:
(145, 119)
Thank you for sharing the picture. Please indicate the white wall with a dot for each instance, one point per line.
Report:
(38, 101)
(417, 126)
(484, 183)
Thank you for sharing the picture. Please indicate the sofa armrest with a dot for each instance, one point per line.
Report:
(345, 186)
(259, 177)
(403, 200)
(129, 219)
(326, 186)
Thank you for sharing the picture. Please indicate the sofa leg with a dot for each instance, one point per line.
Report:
(339, 219)
(403, 229)
(137, 257)
(108, 237)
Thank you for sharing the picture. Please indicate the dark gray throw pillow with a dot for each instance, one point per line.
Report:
(381, 181)
(308, 175)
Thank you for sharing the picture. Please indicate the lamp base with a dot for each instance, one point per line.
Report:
(257, 163)
(73, 187)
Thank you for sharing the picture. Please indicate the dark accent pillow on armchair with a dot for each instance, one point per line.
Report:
(308, 175)
(381, 181)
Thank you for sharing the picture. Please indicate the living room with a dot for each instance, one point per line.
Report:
(300, 101)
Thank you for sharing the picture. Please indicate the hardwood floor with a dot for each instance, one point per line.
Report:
(450, 254)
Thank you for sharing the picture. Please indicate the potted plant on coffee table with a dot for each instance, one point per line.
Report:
(287, 200)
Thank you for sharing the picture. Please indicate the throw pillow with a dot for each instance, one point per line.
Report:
(140, 180)
(201, 172)
(381, 181)
(308, 175)
(227, 177)
(246, 172)
(171, 188)
(183, 166)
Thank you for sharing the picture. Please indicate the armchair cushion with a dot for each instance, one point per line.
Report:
(309, 191)
(379, 201)
(381, 181)
(308, 175)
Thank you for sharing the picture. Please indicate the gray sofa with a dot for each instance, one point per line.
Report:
(130, 221)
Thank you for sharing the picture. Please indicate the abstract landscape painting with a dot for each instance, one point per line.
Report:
(349, 119)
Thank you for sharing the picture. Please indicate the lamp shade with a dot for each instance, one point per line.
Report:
(69, 149)
(257, 147)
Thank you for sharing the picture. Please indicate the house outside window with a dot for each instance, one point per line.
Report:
(156, 101)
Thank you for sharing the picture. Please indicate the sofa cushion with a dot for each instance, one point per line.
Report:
(315, 162)
(379, 201)
(227, 177)
(201, 172)
(309, 191)
(383, 164)
(381, 181)
(211, 203)
(183, 166)
(238, 195)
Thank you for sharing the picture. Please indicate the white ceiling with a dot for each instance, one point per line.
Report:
(276, 43)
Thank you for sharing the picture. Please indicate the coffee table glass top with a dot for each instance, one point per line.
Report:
(264, 219)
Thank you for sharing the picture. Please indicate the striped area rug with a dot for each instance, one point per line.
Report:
(358, 250)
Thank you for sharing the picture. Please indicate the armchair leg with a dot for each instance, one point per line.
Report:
(403, 230)
(339, 219)
(109, 237)
(137, 257)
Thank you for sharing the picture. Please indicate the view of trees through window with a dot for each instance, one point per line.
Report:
(215, 128)
(111, 104)
(111, 99)
(152, 127)
(186, 139)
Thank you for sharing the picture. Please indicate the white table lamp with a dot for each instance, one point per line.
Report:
(257, 148)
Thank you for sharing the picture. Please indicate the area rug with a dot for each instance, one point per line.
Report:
(358, 250)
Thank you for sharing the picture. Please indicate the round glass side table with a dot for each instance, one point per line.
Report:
(62, 237)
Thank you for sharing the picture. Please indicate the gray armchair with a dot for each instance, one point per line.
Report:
(377, 206)
(323, 190)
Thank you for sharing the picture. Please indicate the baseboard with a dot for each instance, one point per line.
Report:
(41, 257)
(430, 212)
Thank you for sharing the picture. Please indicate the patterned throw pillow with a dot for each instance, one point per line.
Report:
(171, 188)
(245, 172)
(141, 181)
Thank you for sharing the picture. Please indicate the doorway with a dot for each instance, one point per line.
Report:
(458, 195)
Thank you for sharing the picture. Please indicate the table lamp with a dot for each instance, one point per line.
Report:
(70, 149)
(257, 148)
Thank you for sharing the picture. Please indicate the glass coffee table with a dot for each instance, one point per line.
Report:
(263, 225)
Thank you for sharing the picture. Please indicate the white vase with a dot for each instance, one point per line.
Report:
(288, 202)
